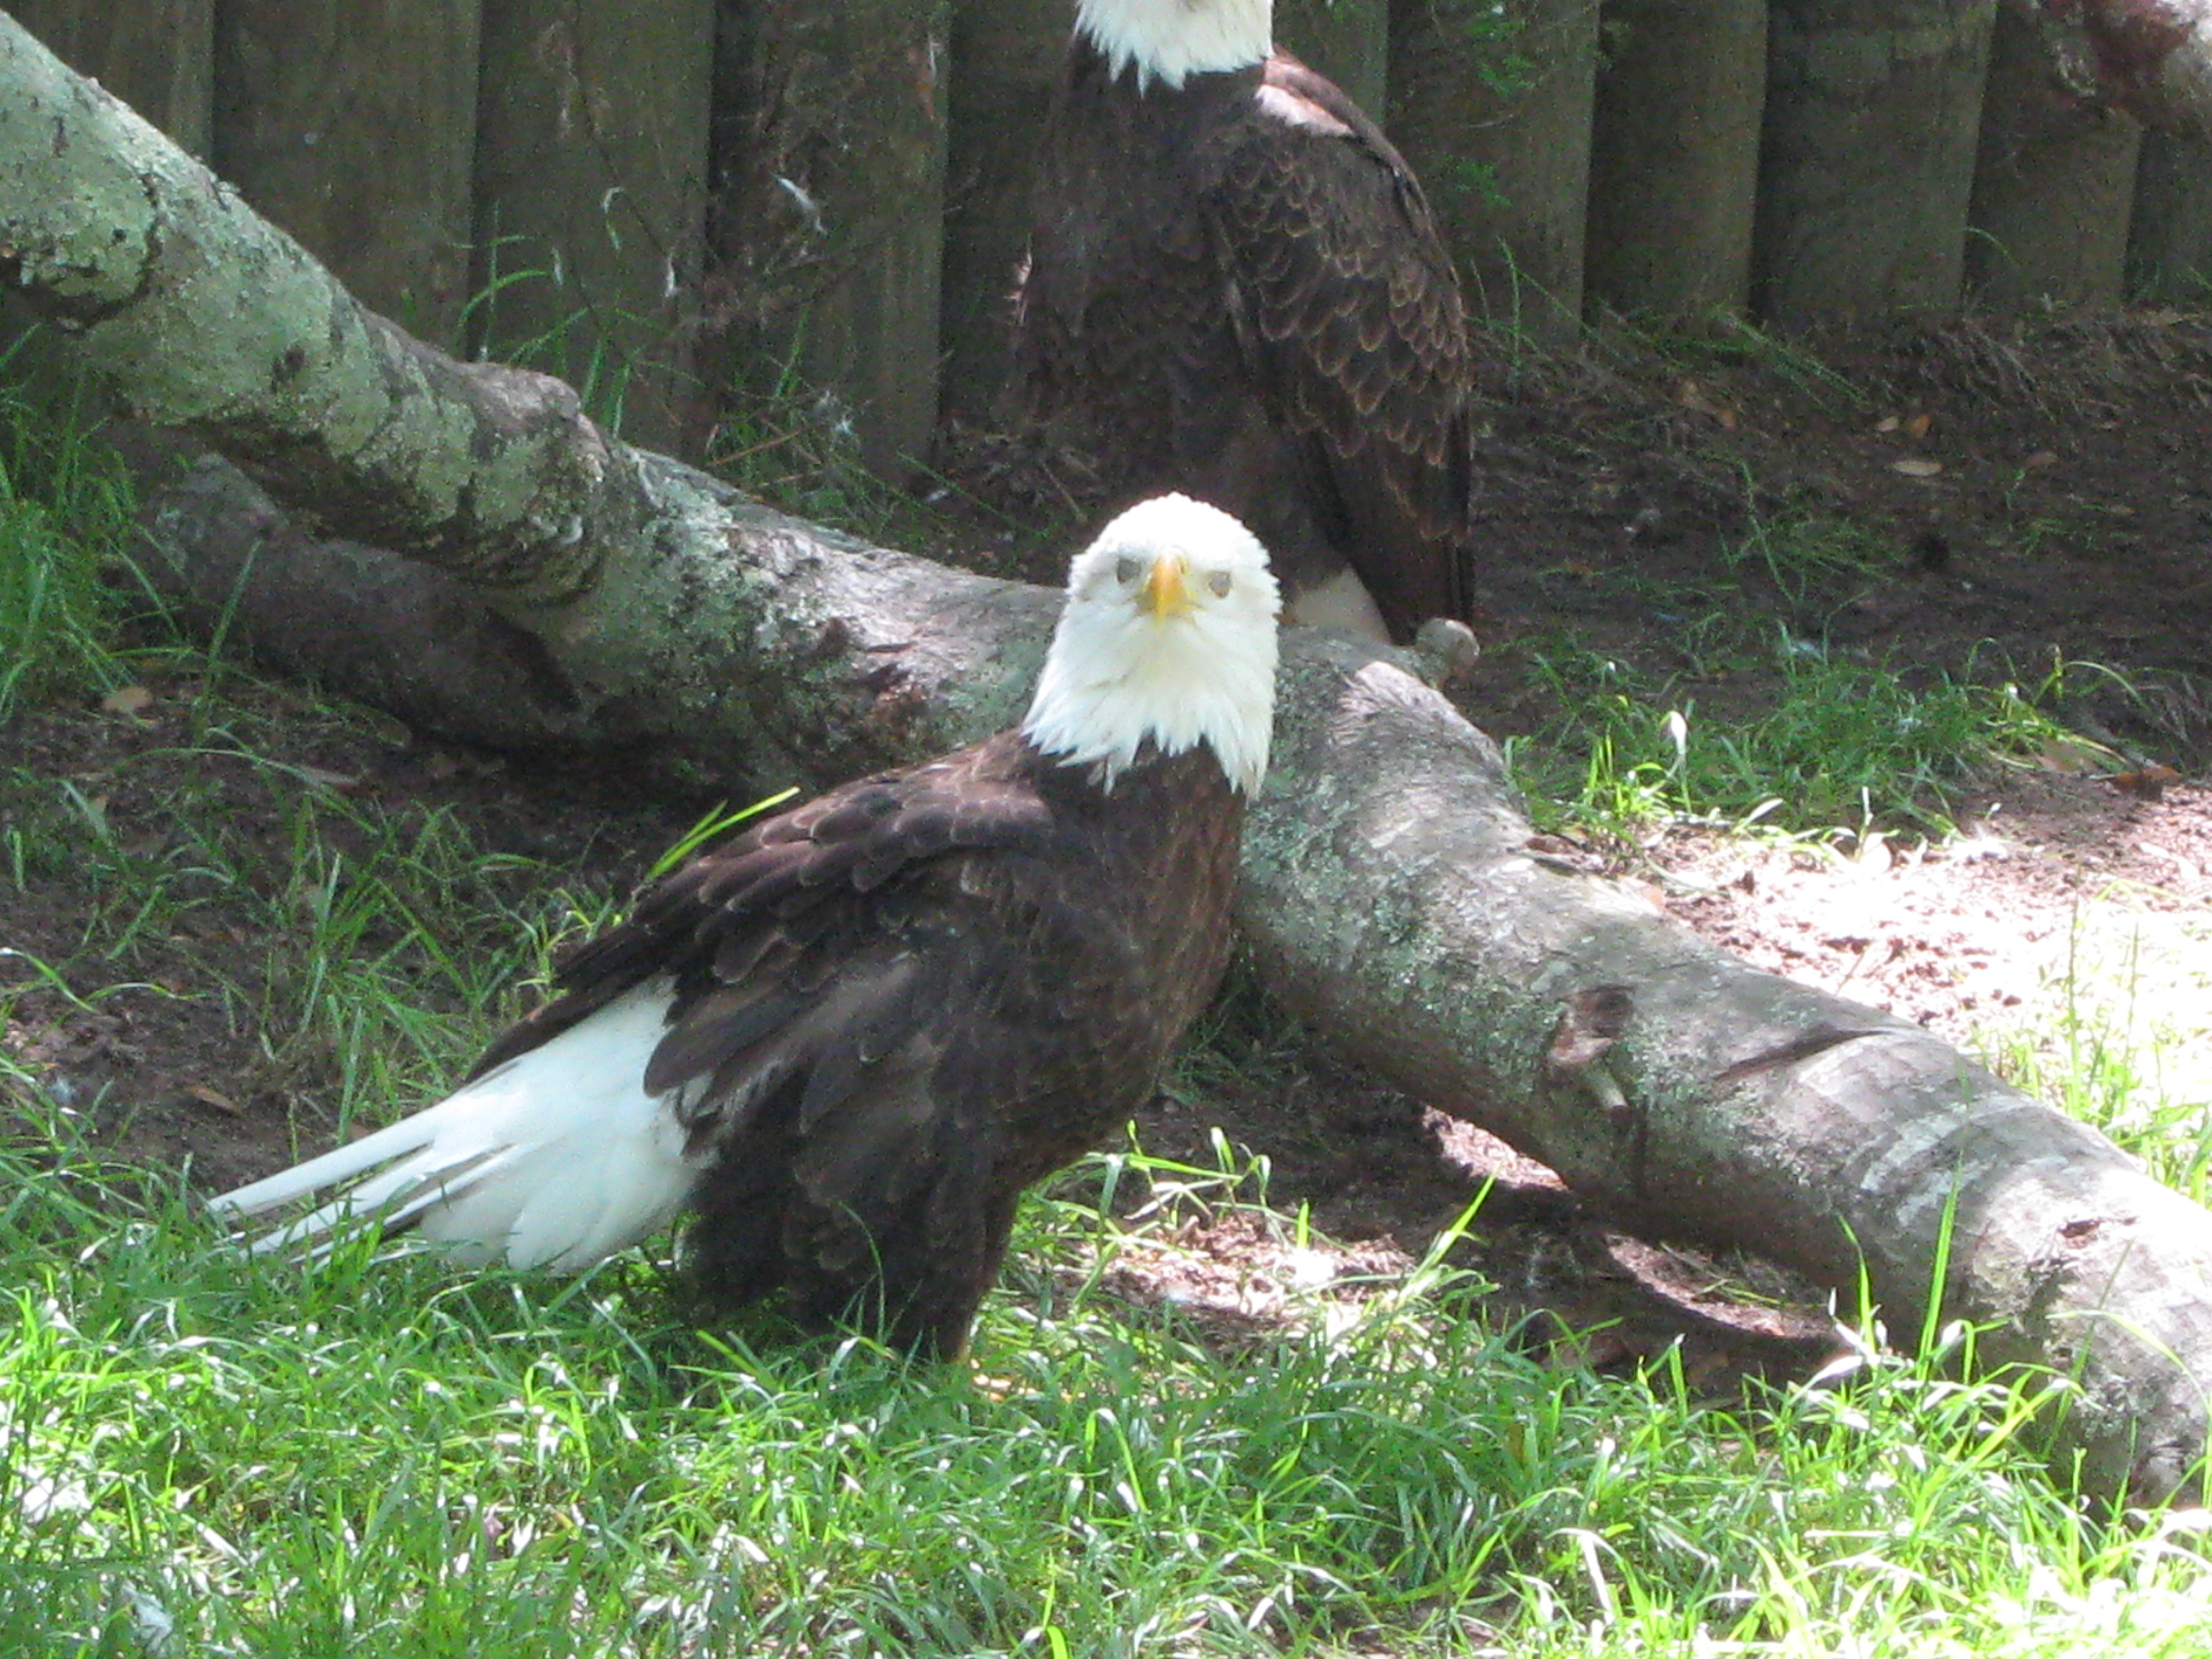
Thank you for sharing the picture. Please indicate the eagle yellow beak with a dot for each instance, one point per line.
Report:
(1167, 589)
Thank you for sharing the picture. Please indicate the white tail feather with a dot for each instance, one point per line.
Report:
(556, 1160)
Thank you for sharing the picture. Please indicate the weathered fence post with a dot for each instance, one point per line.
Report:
(1490, 101)
(1867, 163)
(2170, 232)
(1006, 58)
(832, 221)
(1674, 155)
(354, 128)
(2052, 183)
(591, 199)
(157, 56)
(1347, 40)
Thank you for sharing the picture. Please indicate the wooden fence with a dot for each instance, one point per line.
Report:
(677, 203)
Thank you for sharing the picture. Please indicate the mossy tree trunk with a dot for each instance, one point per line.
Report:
(354, 127)
(509, 564)
(1866, 161)
(2053, 183)
(157, 56)
(1491, 100)
(1674, 155)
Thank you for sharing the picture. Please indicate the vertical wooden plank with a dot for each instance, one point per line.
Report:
(831, 232)
(2053, 184)
(354, 127)
(1866, 161)
(1007, 59)
(157, 56)
(1347, 40)
(2170, 233)
(1674, 155)
(591, 180)
(1490, 101)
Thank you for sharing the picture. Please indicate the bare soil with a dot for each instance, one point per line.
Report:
(2042, 487)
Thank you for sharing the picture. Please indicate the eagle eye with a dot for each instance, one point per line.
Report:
(1127, 569)
(1218, 581)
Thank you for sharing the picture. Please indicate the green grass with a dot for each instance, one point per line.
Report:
(379, 1458)
(1843, 744)
(65, 585)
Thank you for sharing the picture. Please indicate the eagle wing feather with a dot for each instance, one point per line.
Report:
(1354, 311)
(864, 1046)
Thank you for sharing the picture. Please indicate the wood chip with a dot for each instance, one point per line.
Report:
(208, 1097)
(346, 783)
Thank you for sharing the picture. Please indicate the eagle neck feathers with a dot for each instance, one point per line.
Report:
(1170, 40)
(1092, 709)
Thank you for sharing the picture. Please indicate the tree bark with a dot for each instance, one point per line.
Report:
(158, 56)
(1489, 101)
(1867, 161)
(1392, 892)
(1674, 155)
(2053, 183)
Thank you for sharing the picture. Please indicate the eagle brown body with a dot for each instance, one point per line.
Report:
(900, 1004)
(1235, 289)
(845, 1042)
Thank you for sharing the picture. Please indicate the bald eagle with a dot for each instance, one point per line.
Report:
(1234, 287)
(845, 1042)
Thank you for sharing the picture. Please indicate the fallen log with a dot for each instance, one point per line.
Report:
(482, 558)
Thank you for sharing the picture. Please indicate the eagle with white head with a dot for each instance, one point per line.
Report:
(1235, 289)
(845, 1042)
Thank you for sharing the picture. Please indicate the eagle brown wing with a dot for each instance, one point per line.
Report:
(1349, 306)
(893, 1008)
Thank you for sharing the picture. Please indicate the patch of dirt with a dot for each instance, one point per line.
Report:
(2037, 488)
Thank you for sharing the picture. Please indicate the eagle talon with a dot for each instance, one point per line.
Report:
(1445, 652)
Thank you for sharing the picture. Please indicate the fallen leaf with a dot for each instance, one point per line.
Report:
(1917, 427)
(2043, 458)
(346, 783)
(1917, 466)
(2145, 782)
(2072, 755)
(208, 1097)
(126, 700)
(1887, 423)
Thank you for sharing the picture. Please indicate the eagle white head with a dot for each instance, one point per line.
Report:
(1168, 632)
(1169, 39)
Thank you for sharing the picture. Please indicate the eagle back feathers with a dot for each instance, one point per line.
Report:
(1236, 289)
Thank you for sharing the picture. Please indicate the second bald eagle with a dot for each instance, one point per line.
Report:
(1235, 289)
